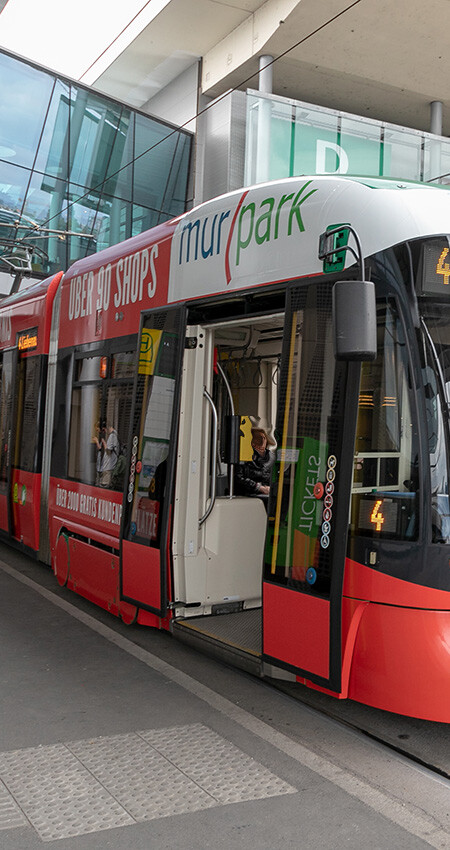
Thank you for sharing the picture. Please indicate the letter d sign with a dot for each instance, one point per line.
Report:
(321, 152)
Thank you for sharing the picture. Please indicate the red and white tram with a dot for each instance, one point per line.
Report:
(172, 342)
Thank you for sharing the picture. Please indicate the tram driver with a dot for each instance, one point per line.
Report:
(253, 477)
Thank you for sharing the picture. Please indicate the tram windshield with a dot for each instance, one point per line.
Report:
(436, 320)
(386, 471)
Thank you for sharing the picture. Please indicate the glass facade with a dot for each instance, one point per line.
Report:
(78, 171)
(287, 138)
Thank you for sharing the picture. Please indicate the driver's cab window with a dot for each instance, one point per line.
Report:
(384, 500)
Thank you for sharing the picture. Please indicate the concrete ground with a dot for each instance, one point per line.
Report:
(114, 737)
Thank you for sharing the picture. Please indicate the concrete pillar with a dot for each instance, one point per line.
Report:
(262, 170)
(436, 117)
(265, 78)
(435, 145)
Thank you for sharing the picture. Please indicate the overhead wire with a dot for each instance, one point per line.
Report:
(198, 114)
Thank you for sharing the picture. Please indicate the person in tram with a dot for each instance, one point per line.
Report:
(111, 447)
(100, 427)
(252, 478)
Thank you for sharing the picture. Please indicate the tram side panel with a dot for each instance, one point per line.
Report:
(101, 303)
(24, 343)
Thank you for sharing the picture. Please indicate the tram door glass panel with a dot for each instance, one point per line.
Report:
(311, 411)
(386, 463)
(153, 427)
(6, 397)
(100, 418)
(26, 429)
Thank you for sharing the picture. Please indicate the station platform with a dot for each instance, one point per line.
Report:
(116, 736)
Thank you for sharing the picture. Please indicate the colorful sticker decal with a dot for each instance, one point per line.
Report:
(150, 340)
(311, 575)
(328, 502)
(306, 508)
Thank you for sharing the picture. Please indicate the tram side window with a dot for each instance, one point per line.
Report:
(27, 414)
(385, 481)
(6, 396)
(100, 418)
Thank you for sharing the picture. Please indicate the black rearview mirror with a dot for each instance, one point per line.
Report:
(354, 320)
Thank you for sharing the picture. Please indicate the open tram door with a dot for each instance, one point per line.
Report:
(309, 507)
(148, 506)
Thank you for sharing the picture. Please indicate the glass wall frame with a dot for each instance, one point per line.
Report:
(288, 138)
(72, 159)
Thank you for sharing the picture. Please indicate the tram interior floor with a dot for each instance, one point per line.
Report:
(234, 637)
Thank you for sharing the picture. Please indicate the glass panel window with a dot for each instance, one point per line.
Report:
(6, 398)
(27, 414)
(174, 201)
(70, 165)
(85, 430)
(113, 222)
(13, 185)
(100, 419)
(386, 468)
(45, 204)
(359, 142)
(311, 409)
(119, 179)
(53, 154)
(402, 154)
(144, 219)
(118, 411)
(437, 349)
(88, 369)
(152, 169)
(123, 364)
(24, 97)
(159, 348)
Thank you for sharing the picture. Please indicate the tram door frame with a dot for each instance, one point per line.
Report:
(302, 629)
(145, 563)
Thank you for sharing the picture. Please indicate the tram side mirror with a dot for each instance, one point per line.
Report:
(354, 320)
(232, 439)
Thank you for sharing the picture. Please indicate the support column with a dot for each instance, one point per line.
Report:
(436, 117)
(435, 146)
(265, 81)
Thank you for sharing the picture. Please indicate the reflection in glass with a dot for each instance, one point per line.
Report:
(53, 152)
(77, 135)
(386, 465)
(437, 348)
(24, 94)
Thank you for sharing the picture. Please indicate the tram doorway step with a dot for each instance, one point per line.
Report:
(232, 638)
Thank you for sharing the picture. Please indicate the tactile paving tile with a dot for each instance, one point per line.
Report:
(147, 784)
(219, 767)
(57, 794)
(11, 815)
(65, 790)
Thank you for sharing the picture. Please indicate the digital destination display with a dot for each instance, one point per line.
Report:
(434, 278)
(28, 340)
(385, 515)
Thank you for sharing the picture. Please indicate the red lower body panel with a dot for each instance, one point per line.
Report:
(26, 495)
(296, 629)
(401, 661)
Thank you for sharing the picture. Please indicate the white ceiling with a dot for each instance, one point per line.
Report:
(382, 59)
